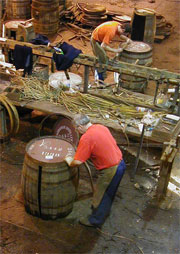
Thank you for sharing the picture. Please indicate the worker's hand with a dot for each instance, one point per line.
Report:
(119, 50)
(68, 160)
(129, 41)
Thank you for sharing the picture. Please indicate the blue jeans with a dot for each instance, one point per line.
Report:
(100, 76)
(98, 216)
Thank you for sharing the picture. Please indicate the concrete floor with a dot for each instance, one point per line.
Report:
(135, 225)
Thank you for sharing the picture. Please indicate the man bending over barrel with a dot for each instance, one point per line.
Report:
(97, 144)
(101, 38)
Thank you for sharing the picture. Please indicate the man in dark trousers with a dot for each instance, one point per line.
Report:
(100, 42)
(97, 144)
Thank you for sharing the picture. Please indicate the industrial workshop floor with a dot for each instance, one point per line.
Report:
(135, 224)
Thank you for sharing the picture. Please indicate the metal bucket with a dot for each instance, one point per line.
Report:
(143, 25)
(18, 9)
(48, 184)
(59, 78)
(136, 53)
(46, 16)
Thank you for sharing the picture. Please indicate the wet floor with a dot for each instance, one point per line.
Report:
(135, 225)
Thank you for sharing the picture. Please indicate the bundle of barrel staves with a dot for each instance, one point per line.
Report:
(87, 14)
(163, 28)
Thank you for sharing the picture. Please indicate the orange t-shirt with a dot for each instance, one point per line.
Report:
(98, 144)
(105, 32)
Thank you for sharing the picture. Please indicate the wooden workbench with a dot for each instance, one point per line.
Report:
(159, 134)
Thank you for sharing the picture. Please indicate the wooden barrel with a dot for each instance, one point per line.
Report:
(65, 129)
(18, 9)
(136, 53)
(46, 16)
(48, 184)
(143, 25)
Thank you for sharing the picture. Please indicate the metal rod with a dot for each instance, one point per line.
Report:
(90, 175)
(138, 154)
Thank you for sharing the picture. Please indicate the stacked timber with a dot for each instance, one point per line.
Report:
(111, 14)
(64, 5)
(67, 13)
(163, 28)
(122, 19)
(91, 15)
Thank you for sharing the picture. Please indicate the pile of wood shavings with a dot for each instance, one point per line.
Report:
(35, 89)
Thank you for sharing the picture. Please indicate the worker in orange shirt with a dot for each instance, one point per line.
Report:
(97, 144)
(101, 38)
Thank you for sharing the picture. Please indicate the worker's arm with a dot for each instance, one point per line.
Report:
(125, 38)
(108, 48)
(119, 50)
(71, 162)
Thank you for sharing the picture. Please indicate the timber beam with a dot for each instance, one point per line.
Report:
(113, 65)
(131, 69)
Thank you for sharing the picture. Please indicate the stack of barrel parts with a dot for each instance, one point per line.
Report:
(92, 15)
(163, 28)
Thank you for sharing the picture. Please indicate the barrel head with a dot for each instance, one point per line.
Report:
(49, 149)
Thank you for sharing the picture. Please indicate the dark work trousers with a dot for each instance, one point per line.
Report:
(100, 53)
(98, 216)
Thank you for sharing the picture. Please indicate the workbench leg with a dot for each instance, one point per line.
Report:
(6, 53)
(53, 67)
(165, 172)
(86, 78)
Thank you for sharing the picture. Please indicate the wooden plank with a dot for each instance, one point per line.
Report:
(44, 106)
(106, 96)
(131, 69)
(116, 128)
(164, 177)
(114, 66)
(40, 50)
